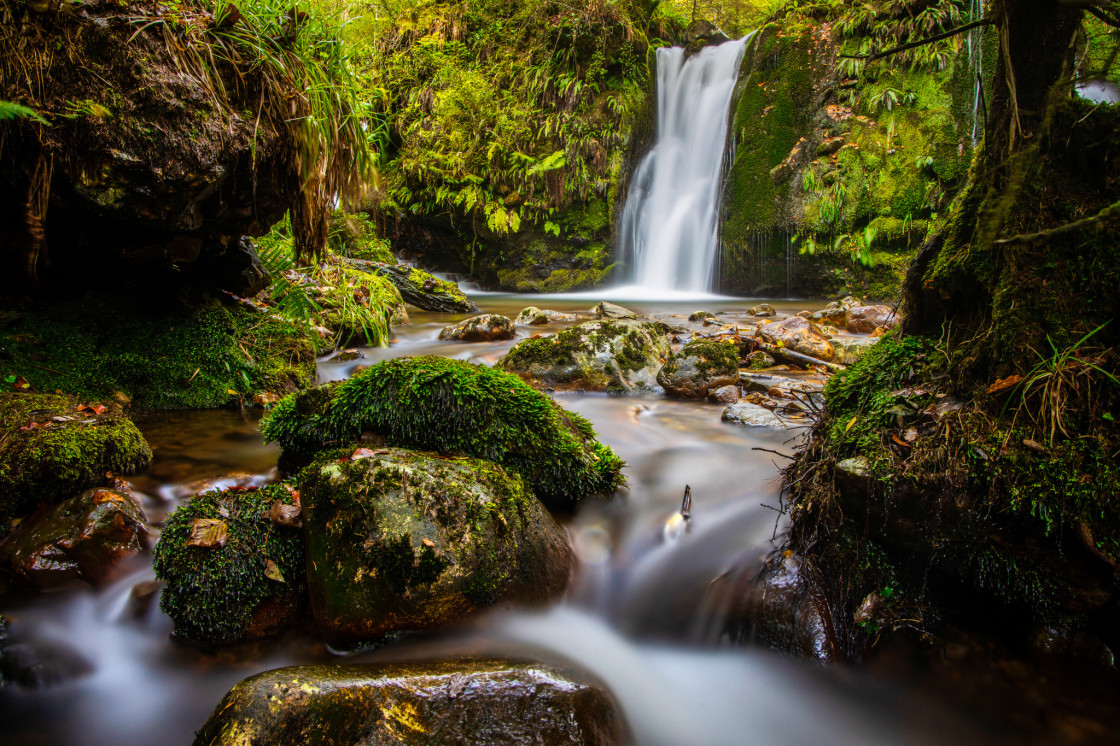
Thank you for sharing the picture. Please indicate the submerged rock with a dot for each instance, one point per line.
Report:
(454, 701)
(451, 406)
(398, 540)
(489, 327)
(799, 335)
(701, 366)
(53, 447)
(616, 356)
(78, 538)
(232, 572)
(605, 310)
(752, 415)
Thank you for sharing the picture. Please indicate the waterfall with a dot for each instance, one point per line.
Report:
(669, 226)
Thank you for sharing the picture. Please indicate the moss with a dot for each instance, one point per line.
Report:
(449, 405)
(359, 307)
(218, 595)
(714, 354)
(59, 459)
(103, 348)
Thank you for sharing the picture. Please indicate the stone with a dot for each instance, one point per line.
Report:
(605, 310)
(752, 415)
(866, 319)
(758, 360)
(452, 701)
(618, 356)
(725, 394)
(533, 316)
(488, 327)
(850, 350)
(400, 540)
(762, 309)
(344, 356)
(700, 366)
(79, 538)
(830, 146)
(799, 335)
(835, 313)
(704, 317)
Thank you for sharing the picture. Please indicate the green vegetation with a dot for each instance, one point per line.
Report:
(447, 406)
(50, 450)
(241, 576)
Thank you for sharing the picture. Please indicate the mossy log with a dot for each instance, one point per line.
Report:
(420, 288)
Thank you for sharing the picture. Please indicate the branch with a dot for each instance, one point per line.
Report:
(1107, 214)
(921, 43)
(1103, 17)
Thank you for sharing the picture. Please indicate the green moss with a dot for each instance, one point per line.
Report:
(207, 357)
(714, 354)
(57, 460)
(218, 595)
(449, 405)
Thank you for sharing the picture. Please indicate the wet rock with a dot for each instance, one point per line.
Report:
(866, 319)
(451, 406)
(618, 356)
(799, 335)
(453, 701)
(345, 356)
(51, 449)
(704, 317)
(835, 313)
(533, 316)
(31, 666)
(78, 538)
(702, 365)
(849, 351)
(725, 394)
(142, 598)
(605, 310)
(762, 309)
(752, 415)
(758, 360)
(398, 540)
(422, 289)
(489, 327)
(231, 572)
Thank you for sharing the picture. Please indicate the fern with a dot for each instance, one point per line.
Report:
(11, 110)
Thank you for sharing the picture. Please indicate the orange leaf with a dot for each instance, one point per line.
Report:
(208, 532)
(1002, 384)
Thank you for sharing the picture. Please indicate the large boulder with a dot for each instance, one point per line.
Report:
(701, 366)
(398, 540)
(78, 538)
(489, 327)
(433, 403)
(233, 564)
(866, 319)
(797, 334)
(53, 447)
(456, 701)
(835, 313)
(617, 356)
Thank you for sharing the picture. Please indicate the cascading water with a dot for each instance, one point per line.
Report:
(669, 226)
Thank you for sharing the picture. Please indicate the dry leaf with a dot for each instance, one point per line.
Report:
(272, 572)
(427, 542)
(900, 441)
(850, 423)
(286, 515)
(208, 532)
(911, 435)
(1034, 445)
(1002, 384)
(360, 453)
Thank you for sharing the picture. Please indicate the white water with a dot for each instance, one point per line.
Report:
(669, 225)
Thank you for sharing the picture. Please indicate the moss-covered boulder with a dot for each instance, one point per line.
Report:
(79, 538)
(617, 356)
(53, 447)
(400, 540)
(701, 366)
(234, 567)
(433, 403)
(489, 327)
(797, 334)
(453, 701)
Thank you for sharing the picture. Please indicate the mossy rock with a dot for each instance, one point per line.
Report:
(44, 460)
(489, 327)
(219, 590)
(423, 290)
(701, 366)
(451, 701)
(433, 403)
(400, 540)
(609, 355)
(79, 538)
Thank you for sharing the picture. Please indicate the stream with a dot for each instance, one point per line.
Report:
(639, 613)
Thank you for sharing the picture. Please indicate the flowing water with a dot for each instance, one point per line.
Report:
(669, 230)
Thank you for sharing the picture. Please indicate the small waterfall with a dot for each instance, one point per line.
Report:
(976, 66)
(669, 228)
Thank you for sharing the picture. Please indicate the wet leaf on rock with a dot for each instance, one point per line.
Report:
(286, 515)
(208, 532)
(272, 572)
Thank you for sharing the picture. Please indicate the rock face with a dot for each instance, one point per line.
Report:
(456, 701)
(78, 538)
(617, 356)
(701, 366)
(433, 403)
(233, 564)
(52, 448)
(799, 335)
(866, 319)
(486, 328)
(399, 540)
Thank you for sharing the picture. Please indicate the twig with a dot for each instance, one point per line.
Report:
(922, 42)
(776, 453)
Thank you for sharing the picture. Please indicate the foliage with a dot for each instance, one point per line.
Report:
(448, 405)
(11, 110)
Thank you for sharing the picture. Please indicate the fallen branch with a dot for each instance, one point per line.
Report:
(1109, 213)
(922, 42)
(789, 356)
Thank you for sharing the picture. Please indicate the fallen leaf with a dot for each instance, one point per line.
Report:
(272, 572)
(1034, 445)
(850, 423)
(285, 515)
(106, 496)
(1002, 384)
(208, 532)
(911, 435)
(265, 399)
(360, 453)
(62, 418)
(21, 384)
(427, 542)
(231, 392)
(900, 441)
